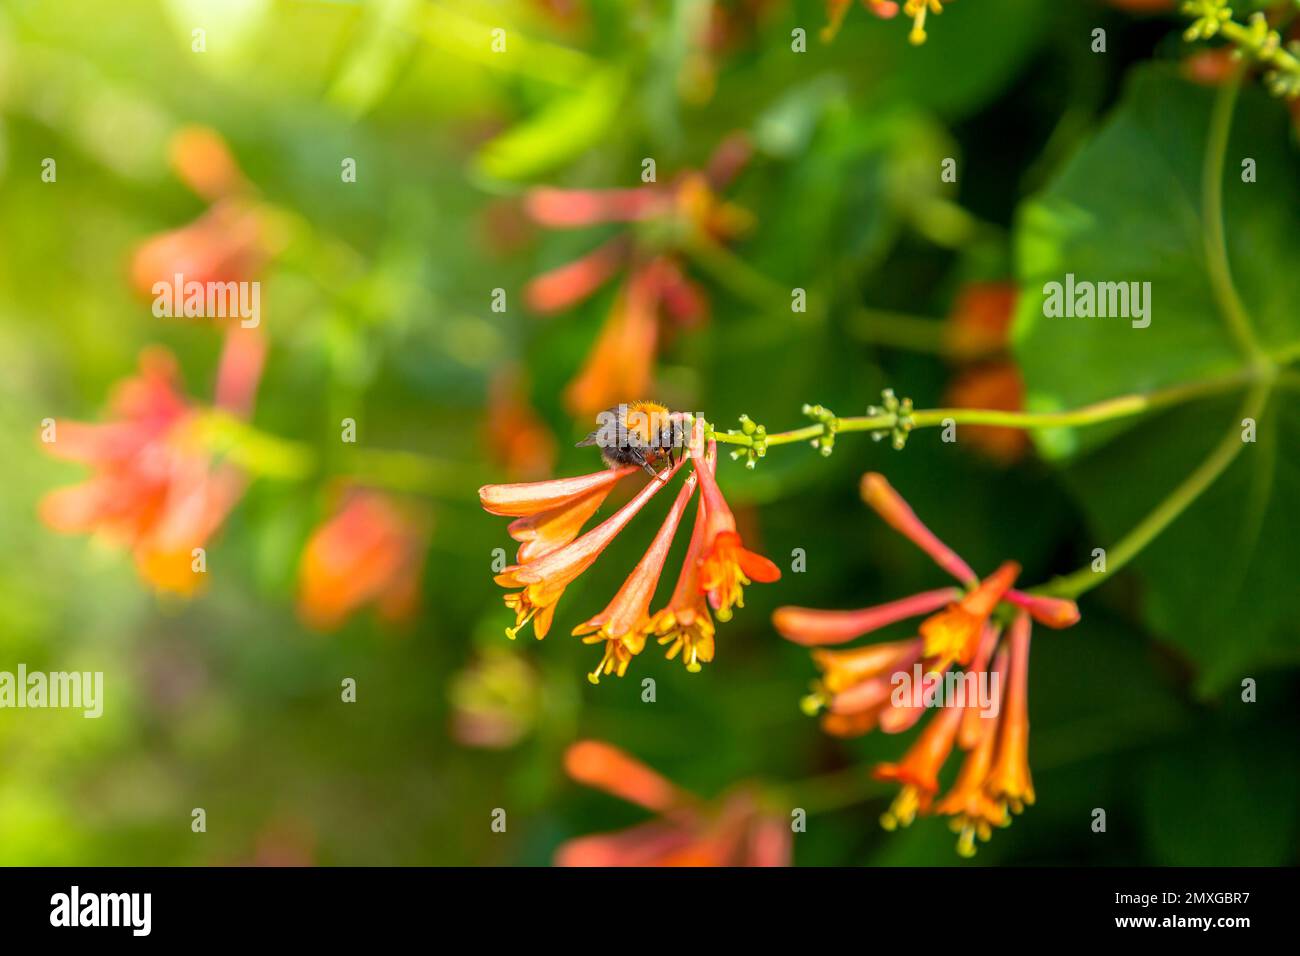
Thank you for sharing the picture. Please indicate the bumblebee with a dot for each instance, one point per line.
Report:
(638, 433)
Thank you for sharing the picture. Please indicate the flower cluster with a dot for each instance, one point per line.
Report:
(553, 553)
(666, 218)
(983, 627)
(734, 830)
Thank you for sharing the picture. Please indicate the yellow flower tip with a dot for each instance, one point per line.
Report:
(966, 842)
(694, 667)
(903, 810)
(888, 822)
(811, 704)
(594, 676)
(724, 613)
(916, 38)
(512, 632)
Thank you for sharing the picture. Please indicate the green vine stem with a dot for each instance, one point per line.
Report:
(1256, 40)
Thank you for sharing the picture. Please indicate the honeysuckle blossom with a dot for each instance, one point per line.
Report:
(656, 288)
(725, 564)
(370, 551)
(156, 488)
(626, 622)
(734, 830)
(549, 516)
(856, 691)
(543, 579)
(977, 338)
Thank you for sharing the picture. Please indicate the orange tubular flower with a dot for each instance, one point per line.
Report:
(370, 551)
(953, 634)
(725, 564)
(656, 287)
(1009, 781)
(918, 771)
(516, 434)
(974, 813)
(542, 579)
(685, 625)
(550, 513)
(856, 685)
(626, 621)
(155, 489)
(733, 831)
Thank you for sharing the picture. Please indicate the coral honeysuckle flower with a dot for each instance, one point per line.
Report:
(836, 10)
(229, 242)
(855, 692)
(516, 434)
(549, 514)
(1009, 781)
(974, 813)
(734, 830)
(542, 579)
(155, 488)
(626, 621)
(953, 635)
(686, 625)
(978, 338)
(370, 551)
(666, 217)
(725, 564)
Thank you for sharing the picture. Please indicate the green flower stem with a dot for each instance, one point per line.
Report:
(831, 791)
(1124, 406)
(1178, 500)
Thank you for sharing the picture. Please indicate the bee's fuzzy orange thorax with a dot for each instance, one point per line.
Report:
(643, 418)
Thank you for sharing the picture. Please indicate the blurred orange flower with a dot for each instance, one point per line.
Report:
(516, 434)
(656, 287)
(370, 551)
(734, 830)
(978, 336)
(155, 488)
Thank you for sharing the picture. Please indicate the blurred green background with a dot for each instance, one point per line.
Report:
(379, 309)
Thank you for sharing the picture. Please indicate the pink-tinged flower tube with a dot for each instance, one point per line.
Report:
(543, 579)
(154, 488)
(898, 514)
(725, 564)
(625, 623)
(686, 625)
(813, 628)
(734, 830)
(549, 514)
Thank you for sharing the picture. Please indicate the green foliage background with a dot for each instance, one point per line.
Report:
(1069, 161)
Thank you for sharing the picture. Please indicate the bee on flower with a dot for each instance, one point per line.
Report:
(554, 552)
(664, 219)
(734, 830)
(983, 626)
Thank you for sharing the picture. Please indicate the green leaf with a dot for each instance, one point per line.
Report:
(1130, 208)
(563, 130)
